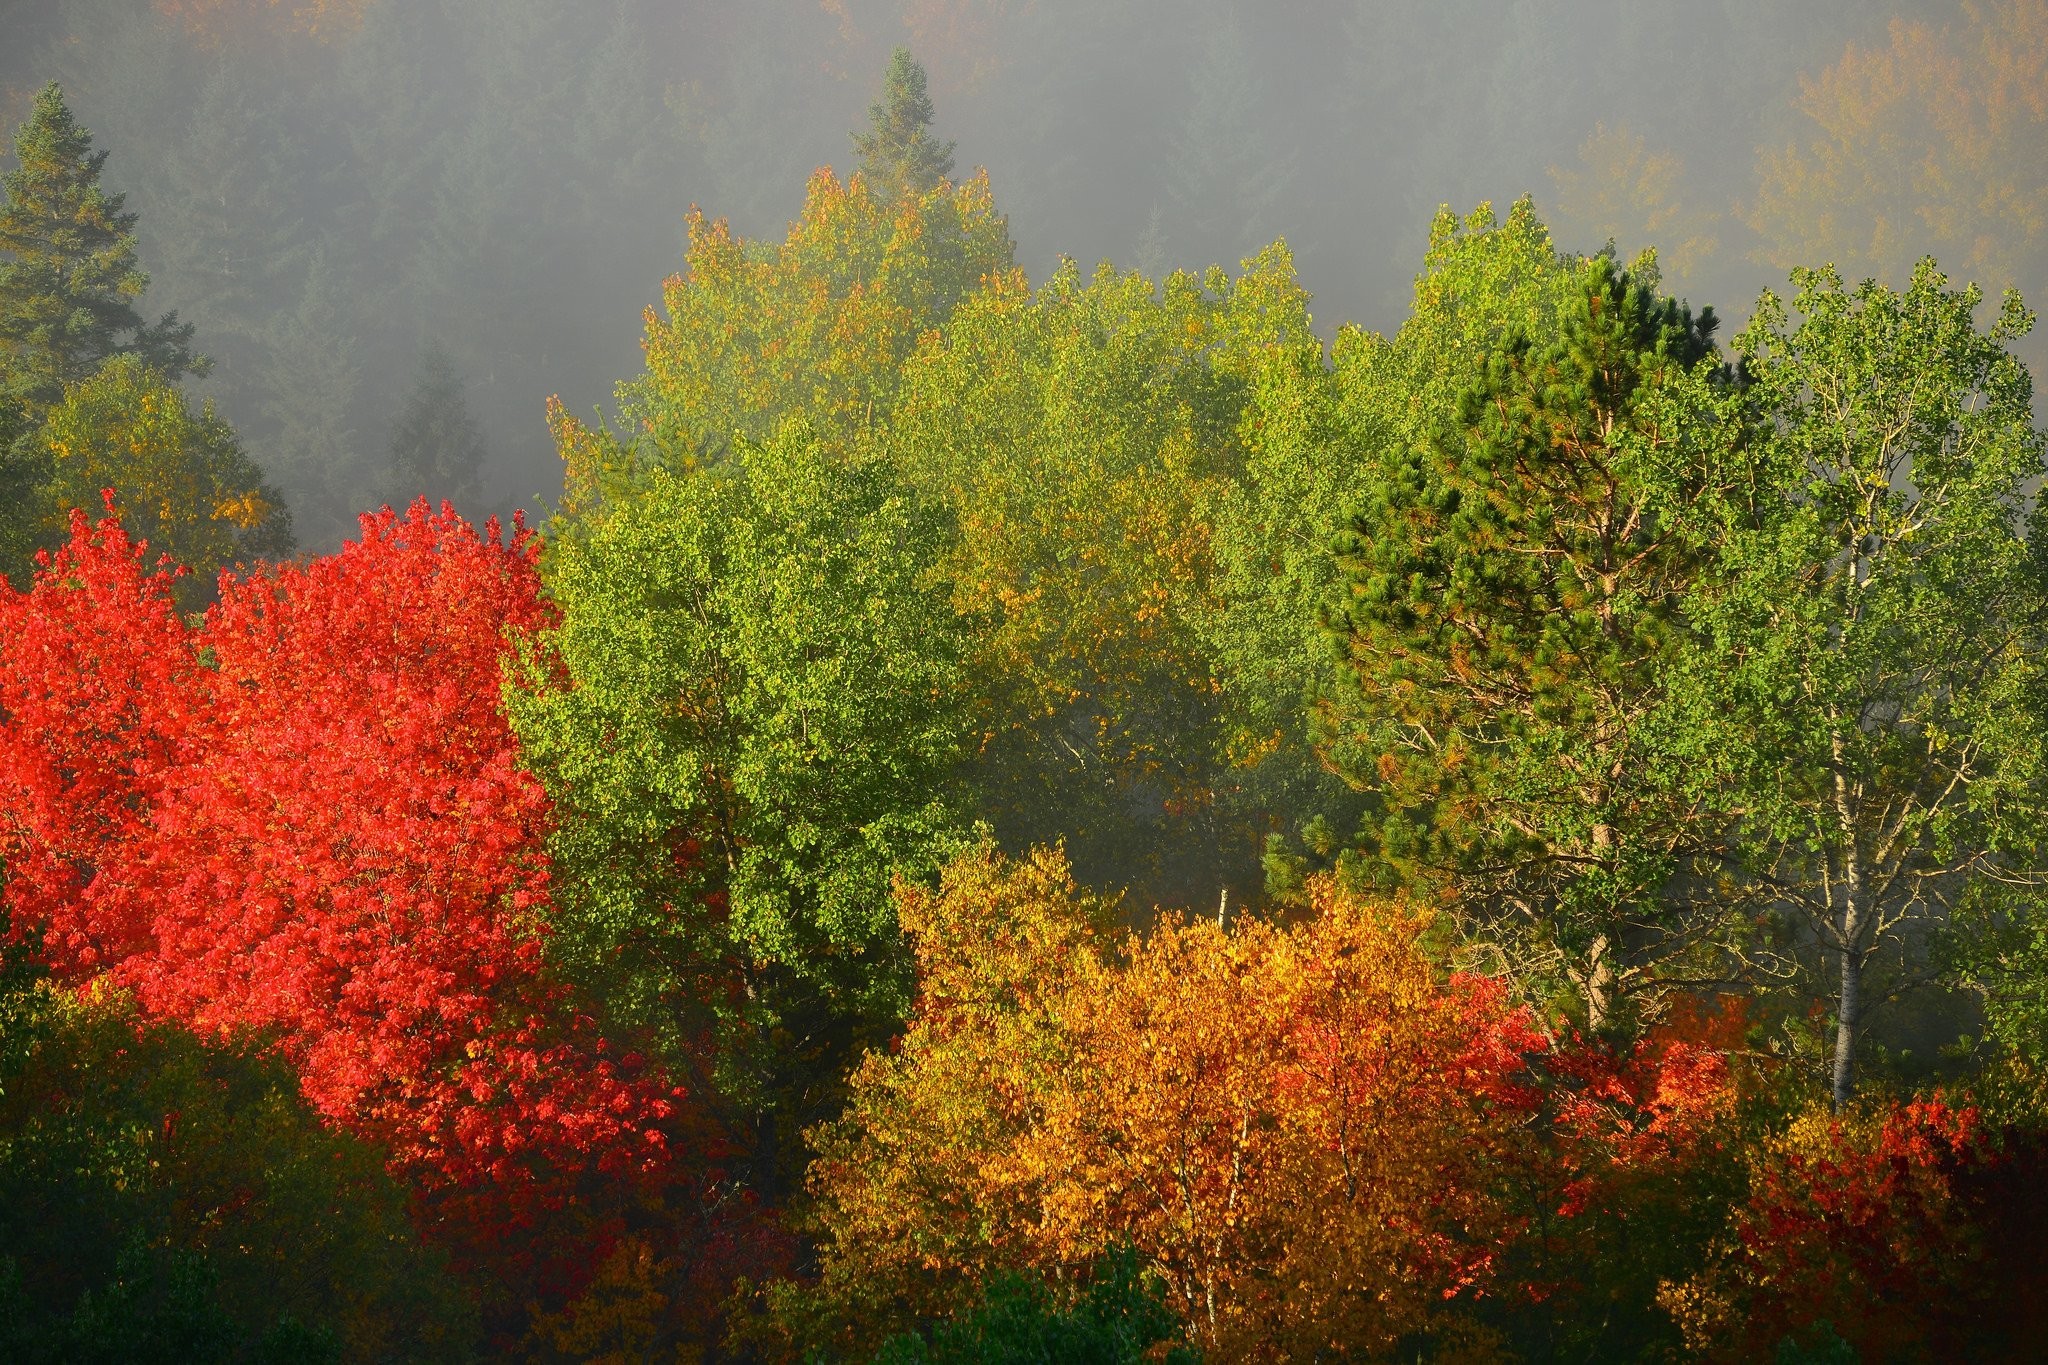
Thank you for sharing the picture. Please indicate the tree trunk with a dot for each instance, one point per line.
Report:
(1599, 986)
(1846, 1021)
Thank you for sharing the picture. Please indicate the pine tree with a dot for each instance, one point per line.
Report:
(898, 155)
(1222, 181)
(69, 278)
(310, 378)
(437, 449)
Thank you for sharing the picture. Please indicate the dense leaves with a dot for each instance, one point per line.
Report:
(69, 283)
(748, 717)
(305, 818)
(153, 1186)
(747, 929)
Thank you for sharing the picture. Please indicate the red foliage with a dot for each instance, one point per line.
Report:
(306, 817)
(1871, 1220)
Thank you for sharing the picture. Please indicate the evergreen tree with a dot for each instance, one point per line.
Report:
(898, 155)
(69, 282)
(1513, 588)
(437, 449)
(1222, 182)
(310, 378)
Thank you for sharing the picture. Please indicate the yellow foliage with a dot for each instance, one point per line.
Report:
(1290, 1125)
(179, 477)
(618, 1320)
(1933, 143)
(816, 326)
(211, 20)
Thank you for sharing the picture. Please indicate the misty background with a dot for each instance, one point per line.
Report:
(373, 207)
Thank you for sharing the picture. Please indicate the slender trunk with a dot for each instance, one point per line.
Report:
(1599, 985)
(1854, 907)
(1846, 1022)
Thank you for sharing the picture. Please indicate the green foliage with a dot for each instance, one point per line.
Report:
(1822, 1346)
(180, 478)
(1118, 1319)
(1865, 692)
(747, 720)
(1514, 587)
(899, 157)
(68, 276)
(1082, 437)
(815, 327)
(1321, 445)
(162, 1199)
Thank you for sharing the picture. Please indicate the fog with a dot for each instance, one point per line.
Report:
(334, 189)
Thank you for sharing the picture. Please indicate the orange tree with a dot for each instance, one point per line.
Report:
(1299, 1130)
(1934, 141)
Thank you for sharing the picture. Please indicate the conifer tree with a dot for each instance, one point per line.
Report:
(68, 274)
(437, 449)
(1513, 588)
(898, 154)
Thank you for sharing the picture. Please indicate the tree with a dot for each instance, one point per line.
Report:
(180, 476)
(1933, 142)
(1081, 437)
(1515, 585)
(816, 327)
(140, 1166)
(311, 379)
(748, 717)
(69, 283)
(1863, 690)
(1859, 1222)
(437, 449)
(1621, 191)
(214, 21)
(1116, 1320)
(305, 818)
(1222, 182)
(899, 157)
(1297, 1130)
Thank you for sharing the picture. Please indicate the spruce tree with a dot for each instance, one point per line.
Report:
(437, 449)
(68, 275)
(899, 157)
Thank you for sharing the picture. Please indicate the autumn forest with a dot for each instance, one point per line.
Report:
(988, 808)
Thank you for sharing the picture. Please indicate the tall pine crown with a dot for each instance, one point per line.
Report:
(899, 157)
(69, 280)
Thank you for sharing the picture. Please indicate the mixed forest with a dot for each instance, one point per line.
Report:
(1004, 818)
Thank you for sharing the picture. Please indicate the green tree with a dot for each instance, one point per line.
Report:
(899, 157)
(747, 720)
(1865, 690)
(437, 449)
(1512, 584)
(69, 278)
(1082, 437)
(163, 1199)
(310, 377)
(180, 478)
(1222, 181)
(1320, 437)
(1514, 588)
(815, 327)
(1117, 1319)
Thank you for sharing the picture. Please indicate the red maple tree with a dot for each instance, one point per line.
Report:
(304, 816)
